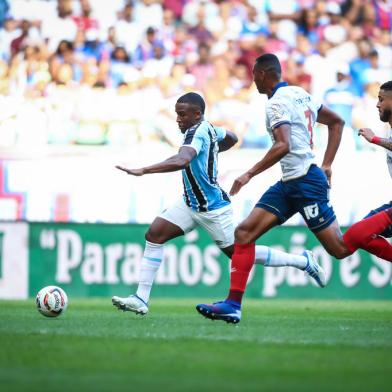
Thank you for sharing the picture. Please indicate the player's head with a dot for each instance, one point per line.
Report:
(190, 110)
(266, 73)
(384, 104)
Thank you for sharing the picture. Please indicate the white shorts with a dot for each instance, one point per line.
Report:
(218, 223)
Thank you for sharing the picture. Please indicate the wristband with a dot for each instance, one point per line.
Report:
(375, 140)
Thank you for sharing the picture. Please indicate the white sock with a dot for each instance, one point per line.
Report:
(151, 261)
(275, 258)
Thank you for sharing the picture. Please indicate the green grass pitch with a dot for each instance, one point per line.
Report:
(301, 345)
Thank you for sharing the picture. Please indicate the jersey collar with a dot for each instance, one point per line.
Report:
(278, 86)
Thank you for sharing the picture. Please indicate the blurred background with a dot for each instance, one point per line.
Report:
(88, 84)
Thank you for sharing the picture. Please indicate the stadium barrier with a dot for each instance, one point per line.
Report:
(89, 260)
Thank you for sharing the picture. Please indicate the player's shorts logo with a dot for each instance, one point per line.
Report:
(311, 211)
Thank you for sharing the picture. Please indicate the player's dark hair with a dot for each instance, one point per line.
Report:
(194, 99)
(270, 63)
(387, 86)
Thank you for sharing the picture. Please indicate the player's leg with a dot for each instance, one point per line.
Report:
(337, 245)
(173, 222)
(219, 224)
(332, 240)
(310, 195)
(160, 231)
(257, 223)
(270, 257)
(271, 210)
(365, 234)
(314, 206)
(379, 247)
(362, 235)
(387, 233)
(274, 208)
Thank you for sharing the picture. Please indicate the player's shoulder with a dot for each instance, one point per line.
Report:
(297, 96)
(198, 131)
(289, 92)
(281, 98)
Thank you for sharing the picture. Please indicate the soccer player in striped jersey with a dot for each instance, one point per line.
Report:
(291, 114)
(204, 203)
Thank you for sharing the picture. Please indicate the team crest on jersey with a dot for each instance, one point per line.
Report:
(311, 211)
(276, 113)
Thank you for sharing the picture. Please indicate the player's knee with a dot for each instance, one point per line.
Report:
(241, 235)
(340, 253)
(154, 236)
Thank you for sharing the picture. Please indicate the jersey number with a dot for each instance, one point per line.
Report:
(308, 115)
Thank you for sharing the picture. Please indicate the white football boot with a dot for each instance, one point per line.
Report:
(133, 303)
(314, 269)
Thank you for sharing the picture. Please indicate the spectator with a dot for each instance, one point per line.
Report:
(149, 13)
(360, 64)
(184, 47)
(175, 6)
(18, 43)
(120, 67)
(61, 27)
(127, 30)
(4, 7)
(308, 25)
(321, 69)
(203, 70)
(8, 33)
(159, 65)
(145, 49)
(383, 14)
(200, 31)
(341, 97)
(85, 21)
(334, 31)
(252, 25)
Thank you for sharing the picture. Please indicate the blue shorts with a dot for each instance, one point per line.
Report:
(307, 195)
(388, 232)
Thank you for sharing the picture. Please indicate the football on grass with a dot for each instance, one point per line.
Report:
(51, 301)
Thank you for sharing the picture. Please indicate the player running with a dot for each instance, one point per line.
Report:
(290, 115)
(204, 203)
(378, 221)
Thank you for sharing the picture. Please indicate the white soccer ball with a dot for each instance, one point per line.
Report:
(51, 301)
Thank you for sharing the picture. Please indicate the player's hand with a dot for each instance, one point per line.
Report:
(367, 133)
(132, 172)
(328, 172)
(239, 183)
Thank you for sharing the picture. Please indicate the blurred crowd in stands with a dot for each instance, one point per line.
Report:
(110, 71)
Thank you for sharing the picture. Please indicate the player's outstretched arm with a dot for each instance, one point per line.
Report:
(174, 163)
(228, 142)
(278, 150)
(369, 135)
(335, 128)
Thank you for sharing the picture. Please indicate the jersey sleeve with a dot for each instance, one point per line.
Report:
(194, 138)
(220, 133)
(318, 105)
(278, 113)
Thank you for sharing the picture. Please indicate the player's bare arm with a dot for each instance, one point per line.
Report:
(229, 141)
(174, 163)
(278, 150)
(369, 135)
(335, 126)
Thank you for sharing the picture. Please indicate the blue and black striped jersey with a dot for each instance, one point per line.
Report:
(201, 189)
